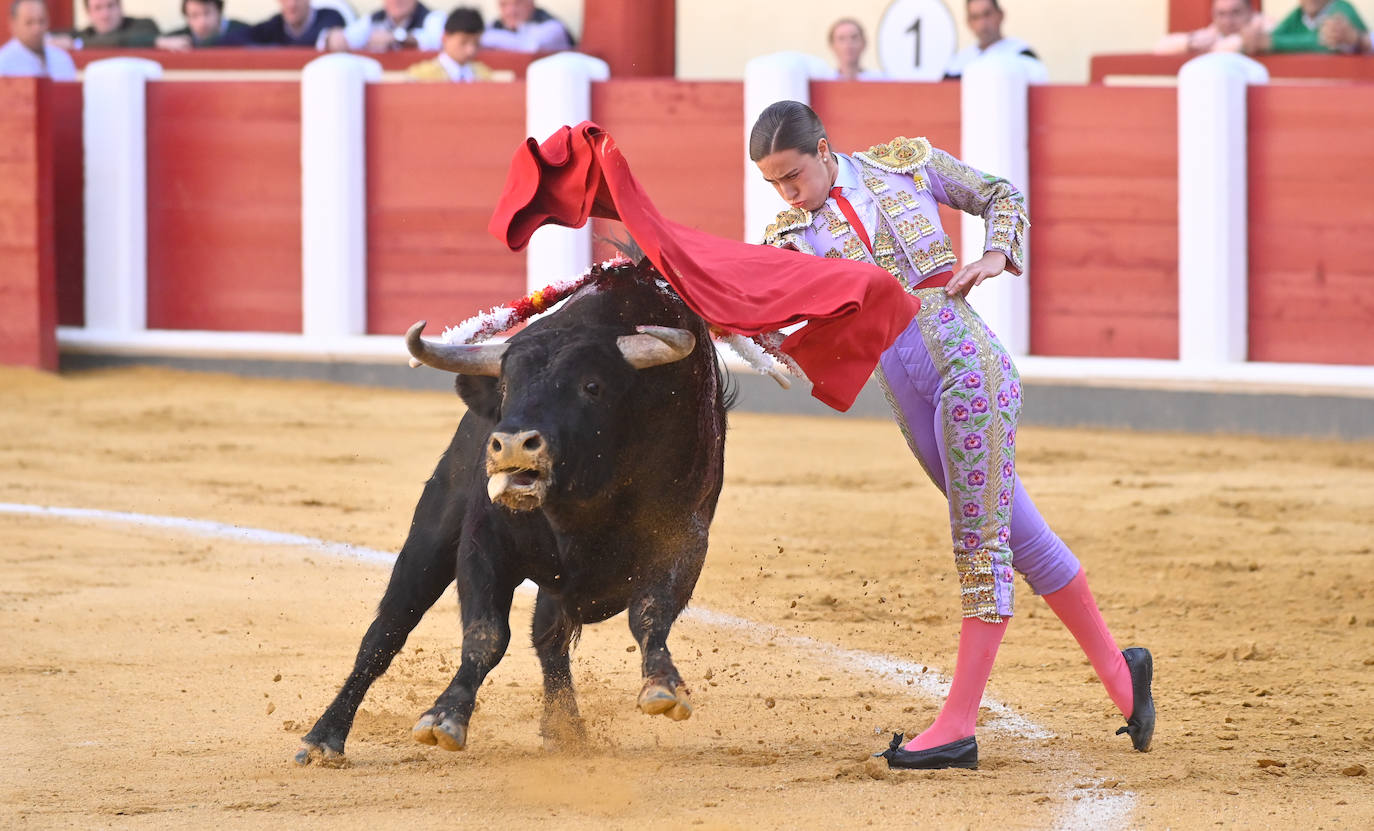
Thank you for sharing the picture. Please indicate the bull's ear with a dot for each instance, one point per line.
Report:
(481, 394)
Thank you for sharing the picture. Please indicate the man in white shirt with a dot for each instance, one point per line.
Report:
(985, 21)
(28, 55)
(398, 24)
(520, 27)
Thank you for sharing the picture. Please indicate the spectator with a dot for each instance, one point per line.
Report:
(847, 41)
(27, 55)
(299, 24)
(462, 34)
(1309, 28)
(985, 21)
(205, 27)
(520, 27)
(398, 24)
(109, 28)
(1230, 19)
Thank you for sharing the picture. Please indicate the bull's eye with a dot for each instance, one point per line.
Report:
(592, 388)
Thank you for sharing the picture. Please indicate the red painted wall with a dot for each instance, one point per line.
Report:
(69, 182)
(28, 296)
(437, 156)
(224, 218)
(1311, 252)
(1104, 222)
(860, 114)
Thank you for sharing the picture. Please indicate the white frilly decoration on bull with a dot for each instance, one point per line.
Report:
(760, 352)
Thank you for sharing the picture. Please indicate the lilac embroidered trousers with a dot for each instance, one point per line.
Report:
(956, 396)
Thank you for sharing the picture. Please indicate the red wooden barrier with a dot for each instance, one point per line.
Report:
(437, 157)
(28, 296)
(636, 38)
(224, 196)
(289, 57)
(69, 182)
(1104, 222)
(860, 114)
(1311, 253)
(1340, 68)
(694, 176)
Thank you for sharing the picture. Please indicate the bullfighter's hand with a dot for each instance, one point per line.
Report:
(989, 265)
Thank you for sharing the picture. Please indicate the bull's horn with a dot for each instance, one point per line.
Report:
(464, 359)
(656, 345)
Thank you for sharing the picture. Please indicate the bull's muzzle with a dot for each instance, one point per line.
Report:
(519, 469)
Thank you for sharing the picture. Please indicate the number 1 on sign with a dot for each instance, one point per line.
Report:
(915, 30)
(916, 39)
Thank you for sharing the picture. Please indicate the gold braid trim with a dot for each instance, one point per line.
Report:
(901, 155)
(788, 220)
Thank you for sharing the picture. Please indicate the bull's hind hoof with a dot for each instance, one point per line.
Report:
(658, 699)
(446, 733)
(682, 709)
(320, 756)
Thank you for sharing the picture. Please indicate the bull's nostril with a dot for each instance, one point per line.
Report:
(534, 442)
(496, 445)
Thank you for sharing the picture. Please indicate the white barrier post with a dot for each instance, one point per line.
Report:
(115, 136)
(992, 101)
(334, 195)
(782, 76)
(1213, 267)
(558, 92)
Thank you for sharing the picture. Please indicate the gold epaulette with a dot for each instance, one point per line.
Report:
(901, 155)
(788, 220)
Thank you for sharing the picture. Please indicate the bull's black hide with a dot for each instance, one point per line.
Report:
(605, 479)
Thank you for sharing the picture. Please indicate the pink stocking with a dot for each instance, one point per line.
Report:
(978, 642)
(1075, 606)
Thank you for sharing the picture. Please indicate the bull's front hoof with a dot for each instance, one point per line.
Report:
(320, 756)
(447, 733)
(659, 699)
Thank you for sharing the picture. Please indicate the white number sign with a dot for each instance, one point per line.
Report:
(916, 39)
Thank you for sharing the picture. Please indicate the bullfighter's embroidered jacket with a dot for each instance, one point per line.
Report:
(908, 180)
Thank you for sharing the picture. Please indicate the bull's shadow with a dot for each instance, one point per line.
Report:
(589, 462)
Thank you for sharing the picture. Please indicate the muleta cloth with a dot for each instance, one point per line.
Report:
(853, 310)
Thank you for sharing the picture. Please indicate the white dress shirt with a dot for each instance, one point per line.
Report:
(971, 53)
(847, 180)
(548, 36)
(429, 37)
(18, 61)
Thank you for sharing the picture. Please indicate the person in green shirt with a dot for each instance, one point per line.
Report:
(109, 28)
(1311, 27)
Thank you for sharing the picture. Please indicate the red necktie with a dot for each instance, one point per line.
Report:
(849, 214)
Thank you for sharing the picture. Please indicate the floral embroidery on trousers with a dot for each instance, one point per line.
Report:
(979, 400)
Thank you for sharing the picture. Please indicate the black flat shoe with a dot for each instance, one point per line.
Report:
(959, 754)
(1141, 724)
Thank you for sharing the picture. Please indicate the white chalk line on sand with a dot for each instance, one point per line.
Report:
(1095, 809)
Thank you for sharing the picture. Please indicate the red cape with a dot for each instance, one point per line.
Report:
(853, 310)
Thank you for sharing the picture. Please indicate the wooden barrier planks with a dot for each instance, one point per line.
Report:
(860, 114)
(694, 175)
(437, 157)
(1311, 253)
(28, 295)
(69, 184)
(224, 206)
(1104, 222)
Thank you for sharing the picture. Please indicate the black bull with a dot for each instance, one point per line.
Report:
(589, 462)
